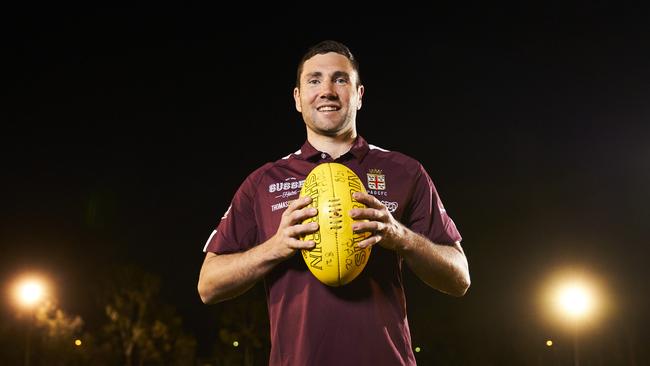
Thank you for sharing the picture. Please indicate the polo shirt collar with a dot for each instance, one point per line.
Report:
(359, 150)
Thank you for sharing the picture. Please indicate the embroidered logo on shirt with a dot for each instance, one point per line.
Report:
(376, 180)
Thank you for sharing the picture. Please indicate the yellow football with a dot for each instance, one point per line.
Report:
(336, 259)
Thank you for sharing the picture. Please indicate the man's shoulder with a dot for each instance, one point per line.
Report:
(396, 157)
(270, 166)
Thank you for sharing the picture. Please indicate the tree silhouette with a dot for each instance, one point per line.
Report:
(243, 328)
(46, 332)
(139, 326)
(58, 331)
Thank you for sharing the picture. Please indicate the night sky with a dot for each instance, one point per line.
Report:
(127, 131)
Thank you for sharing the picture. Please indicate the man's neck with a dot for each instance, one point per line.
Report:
(335, 146)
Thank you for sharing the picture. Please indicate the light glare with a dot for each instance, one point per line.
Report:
(575, 300)
(30, 292)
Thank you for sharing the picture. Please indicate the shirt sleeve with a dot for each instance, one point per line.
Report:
(236, 231)
(428, 215)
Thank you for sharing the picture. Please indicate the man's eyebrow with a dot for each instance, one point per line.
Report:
(315, 74)
(339, 74)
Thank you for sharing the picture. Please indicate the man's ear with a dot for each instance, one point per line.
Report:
(360, 91)
(296, 98)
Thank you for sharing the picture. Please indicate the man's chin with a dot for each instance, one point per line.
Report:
(331, 129)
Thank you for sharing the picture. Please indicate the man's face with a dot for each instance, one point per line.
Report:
(328, 97)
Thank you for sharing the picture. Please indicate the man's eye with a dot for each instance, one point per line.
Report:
(341, 81)
(313, 81)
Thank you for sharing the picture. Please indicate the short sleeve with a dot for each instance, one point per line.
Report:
(428, 215)
(237, 228)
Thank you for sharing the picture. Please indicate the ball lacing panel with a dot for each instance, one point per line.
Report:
(335, 215)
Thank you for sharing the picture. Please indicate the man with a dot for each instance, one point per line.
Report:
(365, 321)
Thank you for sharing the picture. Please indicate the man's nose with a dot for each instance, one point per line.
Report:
(328, 92)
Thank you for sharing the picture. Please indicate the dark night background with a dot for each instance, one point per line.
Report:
(127, 132)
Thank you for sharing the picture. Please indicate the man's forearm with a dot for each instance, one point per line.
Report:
(226, 276)
(443, 267)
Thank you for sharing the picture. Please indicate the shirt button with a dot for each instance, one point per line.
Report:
(323, 155)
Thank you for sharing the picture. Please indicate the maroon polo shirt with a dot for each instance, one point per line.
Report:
(363, 322)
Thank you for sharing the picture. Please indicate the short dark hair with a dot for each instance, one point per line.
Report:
(326, 47)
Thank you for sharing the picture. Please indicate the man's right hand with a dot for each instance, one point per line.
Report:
(286, 240)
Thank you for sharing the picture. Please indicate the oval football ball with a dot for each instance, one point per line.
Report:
(336, 259)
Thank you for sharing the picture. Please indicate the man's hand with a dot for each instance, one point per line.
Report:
(384, 228)
(443, 267)
(287, 239)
